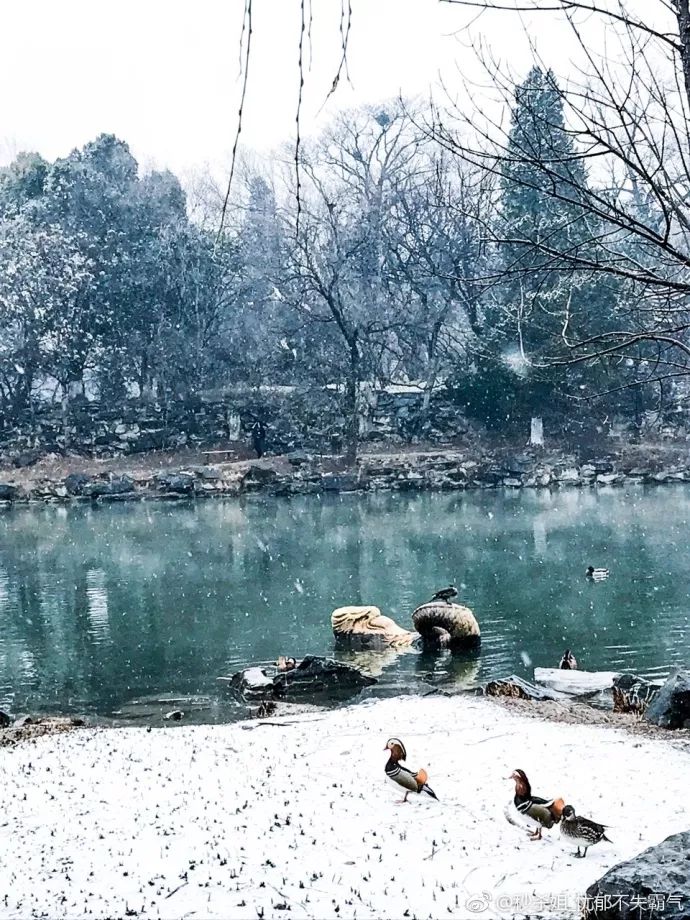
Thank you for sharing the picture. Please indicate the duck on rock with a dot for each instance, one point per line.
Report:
(581, 831)
(446, 594)
(536, 812)
(404, 778)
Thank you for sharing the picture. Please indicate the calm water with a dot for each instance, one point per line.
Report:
(100, 607)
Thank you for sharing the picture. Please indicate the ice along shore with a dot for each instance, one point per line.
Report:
(294, 818)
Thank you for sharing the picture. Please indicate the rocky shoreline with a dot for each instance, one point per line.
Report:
(300, 473)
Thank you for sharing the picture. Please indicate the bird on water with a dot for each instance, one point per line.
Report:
(568, 661)
(596, 574)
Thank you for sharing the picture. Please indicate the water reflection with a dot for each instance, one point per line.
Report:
(99, 606)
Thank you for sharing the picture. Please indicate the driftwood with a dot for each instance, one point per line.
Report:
(518, 688)
(575, 683)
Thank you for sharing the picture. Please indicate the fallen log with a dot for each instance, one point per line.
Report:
(575, 683)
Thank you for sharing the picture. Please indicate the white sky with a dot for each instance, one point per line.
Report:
(164, 74)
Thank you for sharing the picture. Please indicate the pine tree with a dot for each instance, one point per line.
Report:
(541, 183)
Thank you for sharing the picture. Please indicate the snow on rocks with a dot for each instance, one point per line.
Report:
(294, 817)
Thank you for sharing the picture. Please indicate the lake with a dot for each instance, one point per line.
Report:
(102, 608)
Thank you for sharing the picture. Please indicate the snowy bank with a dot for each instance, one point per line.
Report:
(295, 819)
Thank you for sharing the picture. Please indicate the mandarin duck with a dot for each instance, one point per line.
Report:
(581, 831)
(540, 812)
(406, 779)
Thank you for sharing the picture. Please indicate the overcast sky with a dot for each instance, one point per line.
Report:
(164, 74)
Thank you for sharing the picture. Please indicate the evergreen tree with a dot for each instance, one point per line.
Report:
(541, 185)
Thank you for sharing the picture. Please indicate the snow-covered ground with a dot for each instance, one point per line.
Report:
(296, 820)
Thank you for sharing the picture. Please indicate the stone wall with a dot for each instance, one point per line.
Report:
(293, 419)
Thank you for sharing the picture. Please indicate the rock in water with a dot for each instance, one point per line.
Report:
(7, 491)
(181, 483)
(446, 626)
(252, 683)
(75, 483)
(175, 715)
(5, 719)
(670, 708)
(654, 884)
(321, 677)
(367, 628)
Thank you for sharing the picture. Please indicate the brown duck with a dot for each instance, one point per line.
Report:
(543, 812)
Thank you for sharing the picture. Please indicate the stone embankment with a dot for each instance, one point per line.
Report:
(300, 473)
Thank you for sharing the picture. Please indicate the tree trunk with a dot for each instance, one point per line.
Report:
(432, 370)
(683, 15)
(351, 387)
(21, 394)
(146, 392)
(65, 413)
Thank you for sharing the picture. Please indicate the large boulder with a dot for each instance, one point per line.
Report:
(27, 458)
(251, 683)
(116, 485)
(7, 491)
(258, 477)
(444, 625)
(654, 884)
(75, 483)
(321, 677)
(314, 677)
(340, 482)
(181, 483)
(670, 708)
(366, 627)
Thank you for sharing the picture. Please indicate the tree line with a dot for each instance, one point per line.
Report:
(495, 263)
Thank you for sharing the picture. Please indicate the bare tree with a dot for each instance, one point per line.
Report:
(439, 259)
(339, 259)
(626, 119)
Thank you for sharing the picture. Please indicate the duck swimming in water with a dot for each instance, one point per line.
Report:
(581, 831)
(568, 662)
(596, 574)
(446, 594)
(539, 812)
(401, 776)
